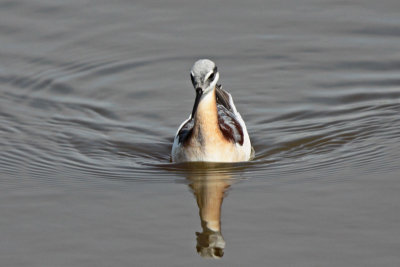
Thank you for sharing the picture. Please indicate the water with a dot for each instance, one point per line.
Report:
(91, 94)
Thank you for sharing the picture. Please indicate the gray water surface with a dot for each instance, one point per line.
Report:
(92, 93)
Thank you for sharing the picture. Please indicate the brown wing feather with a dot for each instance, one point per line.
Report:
(222, 97)
(229, 126)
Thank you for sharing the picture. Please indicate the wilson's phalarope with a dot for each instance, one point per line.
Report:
(215, 131)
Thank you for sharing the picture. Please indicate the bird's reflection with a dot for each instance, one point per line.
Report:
(209, 189)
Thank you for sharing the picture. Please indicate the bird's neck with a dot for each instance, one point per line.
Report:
(206, 118)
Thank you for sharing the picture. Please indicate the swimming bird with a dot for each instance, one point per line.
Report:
(215, 131)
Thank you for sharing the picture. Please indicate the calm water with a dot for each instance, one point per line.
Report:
(92, 92)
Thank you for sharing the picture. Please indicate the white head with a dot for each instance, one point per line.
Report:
(204, 75)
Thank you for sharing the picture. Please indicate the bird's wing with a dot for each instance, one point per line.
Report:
(224, 98)
(229, 120)
(229, 125)
(185, 131)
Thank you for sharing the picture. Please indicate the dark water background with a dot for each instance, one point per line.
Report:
(92, 92)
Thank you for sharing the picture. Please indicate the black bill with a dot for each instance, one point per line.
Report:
(199, 93)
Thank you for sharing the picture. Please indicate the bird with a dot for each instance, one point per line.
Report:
(214, 131)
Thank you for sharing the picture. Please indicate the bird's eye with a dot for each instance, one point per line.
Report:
(192, 78)
(211, 77)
